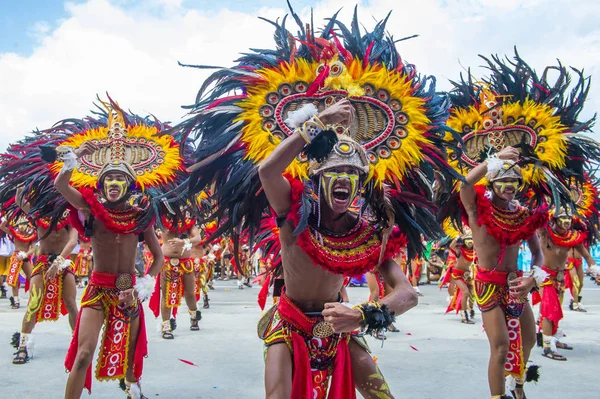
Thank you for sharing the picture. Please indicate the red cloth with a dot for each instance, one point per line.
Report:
(101, 285)
(550, 307)
(264, 292)
(456, 302)
(342, 381)
(571, 263)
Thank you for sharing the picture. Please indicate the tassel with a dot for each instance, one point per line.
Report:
(532, 373)
(321, 146)
(144, 287)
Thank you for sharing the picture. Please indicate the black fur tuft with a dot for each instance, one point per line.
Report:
(16, 340)
(532, 373)
(322, 145)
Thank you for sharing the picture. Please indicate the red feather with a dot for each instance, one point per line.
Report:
(413, 348)
(187, 362)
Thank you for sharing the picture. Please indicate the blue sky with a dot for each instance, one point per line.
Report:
(20, 20)
(55, 57)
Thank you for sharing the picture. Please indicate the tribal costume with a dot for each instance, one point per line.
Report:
(83, 261)
(514, 107)
(321, 358)
(128, 166)
(51, 305)
(551, 297)
(102, 294)
(174, 270)
(395, 145)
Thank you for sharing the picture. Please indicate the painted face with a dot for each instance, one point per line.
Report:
(116, 186)
(468, 242)
(564, 222)
(340, 187)
(506, 189)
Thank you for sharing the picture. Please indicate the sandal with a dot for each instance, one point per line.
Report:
(393, 328)
(14, 303)
(21, 359)
(553, 355)
(167, 329)
(211, 287)
(206, 304)
(562, 345)
(379, 335)
(196, 316)
(513, 393)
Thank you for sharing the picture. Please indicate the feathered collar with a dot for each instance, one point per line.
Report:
(570, 239)
(350, 254)
(508, 226)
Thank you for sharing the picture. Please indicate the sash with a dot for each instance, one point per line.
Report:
(14, 269)
(52, 304)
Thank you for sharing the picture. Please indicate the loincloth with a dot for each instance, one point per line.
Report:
(551, 297)
(52, 303)
(173, 272)
(102, 293)
(318, 354)
(492, 290)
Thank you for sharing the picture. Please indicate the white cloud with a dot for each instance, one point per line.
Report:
(133, 55)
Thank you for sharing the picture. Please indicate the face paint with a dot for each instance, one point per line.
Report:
(564, 222)
(468, 243)
(110, 184)
(501, 185)
(328, 181)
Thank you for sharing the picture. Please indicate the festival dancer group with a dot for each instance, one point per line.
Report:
(331, 157)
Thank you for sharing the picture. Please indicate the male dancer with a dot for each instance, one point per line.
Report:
(177, 276)
(244, 271)
(416, 267)
(435, 265)
(112, 297)
(312, 290)
(462, 277)
(499, 224)
(559, 240)
(23, 235)
(52, 287)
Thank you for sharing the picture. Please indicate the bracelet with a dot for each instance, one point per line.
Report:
(311, 129)
(375, 316)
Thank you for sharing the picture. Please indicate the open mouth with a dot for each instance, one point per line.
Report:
(341, 195)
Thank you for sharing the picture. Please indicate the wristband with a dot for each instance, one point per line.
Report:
(311, 129)
(186, 246)
(296, 118)
(594, 270)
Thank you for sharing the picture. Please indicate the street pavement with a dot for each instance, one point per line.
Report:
(434, 355)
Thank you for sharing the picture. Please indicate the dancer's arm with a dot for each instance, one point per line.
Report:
(277, 188)
(520, 287)
(467, 188)
(154, 247)
(62, 181)
(403, 296)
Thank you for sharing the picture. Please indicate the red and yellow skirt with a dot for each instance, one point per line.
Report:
(102, 293)
(456, 301)
(15, 265)
(173, 272)
(318, 354)
(551, 297)
(52, 305)
(83, 263)
(492, 290)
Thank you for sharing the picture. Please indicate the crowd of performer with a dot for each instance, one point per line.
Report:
(325, 162)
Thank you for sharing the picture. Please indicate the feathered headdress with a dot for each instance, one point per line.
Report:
(124, 141)
(239, 114)
(516, 107)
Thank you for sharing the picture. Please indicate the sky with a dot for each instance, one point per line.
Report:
(56, 56)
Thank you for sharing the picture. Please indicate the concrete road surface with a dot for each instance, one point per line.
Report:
(434, 355)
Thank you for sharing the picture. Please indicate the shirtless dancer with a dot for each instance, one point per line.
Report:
(177, 277)
(55, 247)
(462, 277)
(558, 240)
(500, 288)
(23, 235)
(112, 297)
(311, 293)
